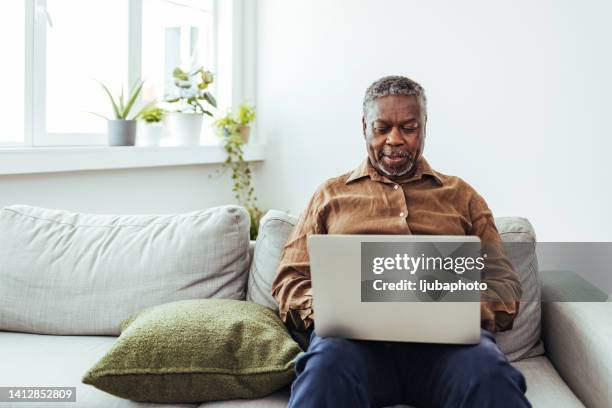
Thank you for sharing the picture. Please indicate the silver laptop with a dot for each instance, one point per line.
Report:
(349, 303)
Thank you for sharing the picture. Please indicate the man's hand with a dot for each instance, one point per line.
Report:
(493, 319)
(301, 320)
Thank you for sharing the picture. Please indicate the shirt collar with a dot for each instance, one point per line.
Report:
(365, 169)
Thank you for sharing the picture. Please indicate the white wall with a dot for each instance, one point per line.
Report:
(135, 191)
(520, 96)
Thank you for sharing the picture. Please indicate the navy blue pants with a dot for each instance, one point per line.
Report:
(336, 372)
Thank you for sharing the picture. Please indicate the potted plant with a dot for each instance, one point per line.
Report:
(122, 129)
(244, 117)
(240, 124)
(229, 129)
(190, 103)
(151, 127)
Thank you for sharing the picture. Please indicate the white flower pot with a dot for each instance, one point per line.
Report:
(184, 128)
(209, 135)
(149, 134)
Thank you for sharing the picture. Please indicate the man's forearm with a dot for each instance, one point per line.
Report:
(293, 293)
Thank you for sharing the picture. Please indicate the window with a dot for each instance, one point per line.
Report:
(80, 51)
(175, 34)
(59, 49)
(12, 103)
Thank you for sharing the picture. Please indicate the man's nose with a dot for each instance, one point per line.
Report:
(394, 137)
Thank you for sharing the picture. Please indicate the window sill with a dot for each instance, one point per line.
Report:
(60, 159)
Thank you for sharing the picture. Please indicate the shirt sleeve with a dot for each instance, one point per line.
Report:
(292, 285)
(501, 300)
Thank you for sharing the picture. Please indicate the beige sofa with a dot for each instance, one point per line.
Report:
(572, 367)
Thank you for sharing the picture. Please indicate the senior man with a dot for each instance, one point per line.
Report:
(395, 191)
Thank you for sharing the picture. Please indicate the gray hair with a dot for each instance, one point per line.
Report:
(394, 85)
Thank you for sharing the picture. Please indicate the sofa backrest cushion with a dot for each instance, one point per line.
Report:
(520, 243)
(519, 238)
(274, 229)
(82, 274)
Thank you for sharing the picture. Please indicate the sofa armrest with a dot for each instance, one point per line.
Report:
(578, 336)
(567, 286)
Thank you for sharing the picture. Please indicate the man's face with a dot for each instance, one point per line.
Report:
(394, 131)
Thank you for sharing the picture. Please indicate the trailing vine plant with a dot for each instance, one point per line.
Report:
(228, 128)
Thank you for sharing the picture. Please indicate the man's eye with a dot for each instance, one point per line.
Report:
(381, 129)
(408, 129)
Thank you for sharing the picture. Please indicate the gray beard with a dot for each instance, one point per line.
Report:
(397, 172)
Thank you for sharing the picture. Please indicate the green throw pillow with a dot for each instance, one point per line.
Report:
(198, 350)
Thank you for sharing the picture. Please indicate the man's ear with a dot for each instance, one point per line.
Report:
(363, 126)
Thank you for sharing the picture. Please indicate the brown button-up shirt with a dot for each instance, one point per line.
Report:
(426, 203)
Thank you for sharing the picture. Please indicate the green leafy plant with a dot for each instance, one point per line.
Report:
(230, 124)
(226, 125)
(228, 128)
(123, 106)
(191, 93)
(153, 115)
(245, 114)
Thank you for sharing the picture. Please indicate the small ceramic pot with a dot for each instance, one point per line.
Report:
(245, 132)
(149, 134)
(121, 132)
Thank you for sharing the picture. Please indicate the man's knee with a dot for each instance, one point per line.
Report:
(496, 374)
(330, 356)
(329, 374)
(496, 384)
(488, 364)
(487, 377)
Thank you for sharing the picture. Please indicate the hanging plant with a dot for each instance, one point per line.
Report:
(229, 129)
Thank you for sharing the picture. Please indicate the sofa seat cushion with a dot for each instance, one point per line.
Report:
(545, 388)
(59, 361)
(278, 399)
(43, 360)
(39, 360)
(82, 274)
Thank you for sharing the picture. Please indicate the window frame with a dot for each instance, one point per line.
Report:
(27, 85)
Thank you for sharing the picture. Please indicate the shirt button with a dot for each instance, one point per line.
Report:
(401, 214)
(395, 187)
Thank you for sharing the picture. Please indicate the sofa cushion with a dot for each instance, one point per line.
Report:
(71, 273)
(545, 387)
(44, 361)
(274, 229)
(519, 241)
(198, 350)
(278, 399)
(61, 361)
